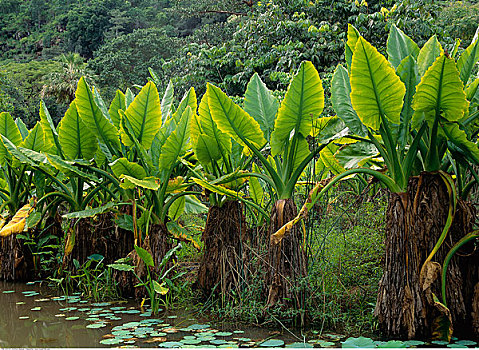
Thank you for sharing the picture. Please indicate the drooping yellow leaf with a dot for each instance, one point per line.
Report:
(17, 224)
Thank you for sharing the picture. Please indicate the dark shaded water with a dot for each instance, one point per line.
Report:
(28, 319)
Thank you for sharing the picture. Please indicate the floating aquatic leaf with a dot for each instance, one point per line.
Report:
(238, 332)
(333, 336)
(20, 303)
(173, 316)
(9, 291)
(272, 343)
(198, 326)
(112, 341)
(28, 292)
(129, 342)
(58, 298)
(439, 342)
(101, 304)
(157, 334)
(42, 300)
(72, 318)
(114, 318)
(228, 346)
(155, 340)
(414, 342)
(131, 324)
(466, 342)
(327, 344)
(92, 318)
(118, 308)
(245, 340)
(456, 346)
(145, 314)
(299, 345)
(38, 308)
(223, 334)
(360, 342)
(30, 283)
(131, 311)
(190, 341)
(171, 344)
(189, 337)
(151, 321)
(218, 341)
(96, 325)
(60, 315)
(206, 338)
(23, 317)
(83, 301)
(170, 330)
(68, 309)
(392, 344)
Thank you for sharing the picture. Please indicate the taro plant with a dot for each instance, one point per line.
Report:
(411, 109)
(154, 281)
(222, 163)
(277, 136)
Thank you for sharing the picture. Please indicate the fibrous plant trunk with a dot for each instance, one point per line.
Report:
(157, 244)
(99, 235)
(287, 262)
(222, 268)
(16, 260)
(414, 222)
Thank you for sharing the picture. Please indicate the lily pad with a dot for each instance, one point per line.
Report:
(198, 326)
(92, 319)
(360, 342)
(172, 316)
(456, 346)
(238, 332)
(20, 303)
(118, 308)
(439, 342)
(244, 340)
(272, 343)
(414, 342)
(190, 341)
(72, 318)
(207, 338)
(392, 344)
(96, 325)
(23, 317)
(60, 315)
(38, 308)
(299, 345)
(8, 291)
(42, 300)
(218, 341)
(111, 341)
(223, 334)
(100, 304)
(171, 344)
(131, 324)
(157, 334)
(466, 342)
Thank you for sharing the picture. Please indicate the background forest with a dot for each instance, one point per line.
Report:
(47, 45)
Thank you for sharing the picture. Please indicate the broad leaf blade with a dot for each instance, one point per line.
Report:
(123, 166)
(400, 46)
(17, 223)
(144, 115)
(145, 256)
(468, 59)
(441, 89)
(35, 139)
(431, 50)
(93, 118)
(119, 102)
(260, 103)
(341, 100)
(375, 88)
(77, 141)
(303, 103)
(175, 145)
(232, 120)
(167, 101)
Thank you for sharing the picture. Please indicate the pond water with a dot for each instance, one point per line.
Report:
(33, 316)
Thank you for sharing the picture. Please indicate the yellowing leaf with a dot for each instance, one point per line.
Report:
(17, 223)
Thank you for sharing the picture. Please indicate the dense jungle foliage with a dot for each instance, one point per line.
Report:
(317, 160)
